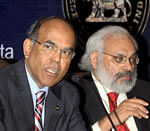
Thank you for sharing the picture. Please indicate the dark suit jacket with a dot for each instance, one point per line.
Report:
(16, 104)
(93, 108)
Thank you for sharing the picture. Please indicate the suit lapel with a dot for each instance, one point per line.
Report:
(53, 110)
(95, 111)
(142, 124)
(23, 95)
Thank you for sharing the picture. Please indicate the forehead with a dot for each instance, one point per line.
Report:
(119, 45)
(57, 31)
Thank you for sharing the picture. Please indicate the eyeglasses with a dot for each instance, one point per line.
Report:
(121, 59)
(66, 53)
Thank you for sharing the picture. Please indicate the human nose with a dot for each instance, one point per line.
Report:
(127, 66)
(57, 55)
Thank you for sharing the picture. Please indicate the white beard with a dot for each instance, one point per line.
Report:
(111, 82)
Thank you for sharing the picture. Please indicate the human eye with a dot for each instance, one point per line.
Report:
(49, 45)
(133, 60)
(118, 59)
(67, 52)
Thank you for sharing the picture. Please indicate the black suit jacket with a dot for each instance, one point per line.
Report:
(93, 108)
(16, 104)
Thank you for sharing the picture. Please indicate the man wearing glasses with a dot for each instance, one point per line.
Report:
(33, 96)
(114, 98)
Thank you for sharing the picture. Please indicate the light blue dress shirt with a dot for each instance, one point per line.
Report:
(34, 89)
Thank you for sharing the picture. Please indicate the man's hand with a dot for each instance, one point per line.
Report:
(131, 107)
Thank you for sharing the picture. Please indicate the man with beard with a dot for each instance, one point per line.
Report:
(114, 98)
(33, 94)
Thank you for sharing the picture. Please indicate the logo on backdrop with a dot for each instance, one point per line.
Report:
(90, 15)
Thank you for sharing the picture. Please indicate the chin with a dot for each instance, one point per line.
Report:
(52, 82)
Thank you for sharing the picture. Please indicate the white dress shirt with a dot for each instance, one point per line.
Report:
(34, 89)
(122, 96)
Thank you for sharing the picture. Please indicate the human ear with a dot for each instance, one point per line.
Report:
(27, 47)
(94, 59)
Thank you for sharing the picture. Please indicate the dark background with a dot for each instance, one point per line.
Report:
(16, 16)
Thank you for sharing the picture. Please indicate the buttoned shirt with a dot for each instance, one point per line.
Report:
(103, 94)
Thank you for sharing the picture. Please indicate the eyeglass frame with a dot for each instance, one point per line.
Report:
(56, 48)
(115, 58)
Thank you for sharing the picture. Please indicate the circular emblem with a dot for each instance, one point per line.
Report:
(88, 16)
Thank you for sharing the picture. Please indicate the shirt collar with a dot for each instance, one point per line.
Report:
(33, 86)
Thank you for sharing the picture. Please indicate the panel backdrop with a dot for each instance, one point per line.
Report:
(16, 17)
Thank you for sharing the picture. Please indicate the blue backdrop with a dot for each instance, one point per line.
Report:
(17, 15)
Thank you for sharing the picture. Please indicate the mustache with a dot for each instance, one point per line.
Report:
(122, 74)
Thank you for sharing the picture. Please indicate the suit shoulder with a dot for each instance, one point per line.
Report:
(83, 81)
(141, 89)
(143, 83)
(68, 85)
(81, 77)
(16, 67)
(5, 71)
(69, 93)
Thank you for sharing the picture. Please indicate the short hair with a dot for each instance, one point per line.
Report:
(33, 31)
(96, 43)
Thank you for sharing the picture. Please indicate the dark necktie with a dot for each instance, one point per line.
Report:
(40, 98)
(112, 96)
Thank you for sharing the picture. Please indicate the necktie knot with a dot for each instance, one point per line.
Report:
(113, 96)
(40, 97)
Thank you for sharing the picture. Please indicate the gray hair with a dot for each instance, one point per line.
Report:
(96, 43)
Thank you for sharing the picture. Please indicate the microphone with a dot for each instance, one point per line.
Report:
(109, 117)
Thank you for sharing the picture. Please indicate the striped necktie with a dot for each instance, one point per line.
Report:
(112, 96)
(40, 98)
